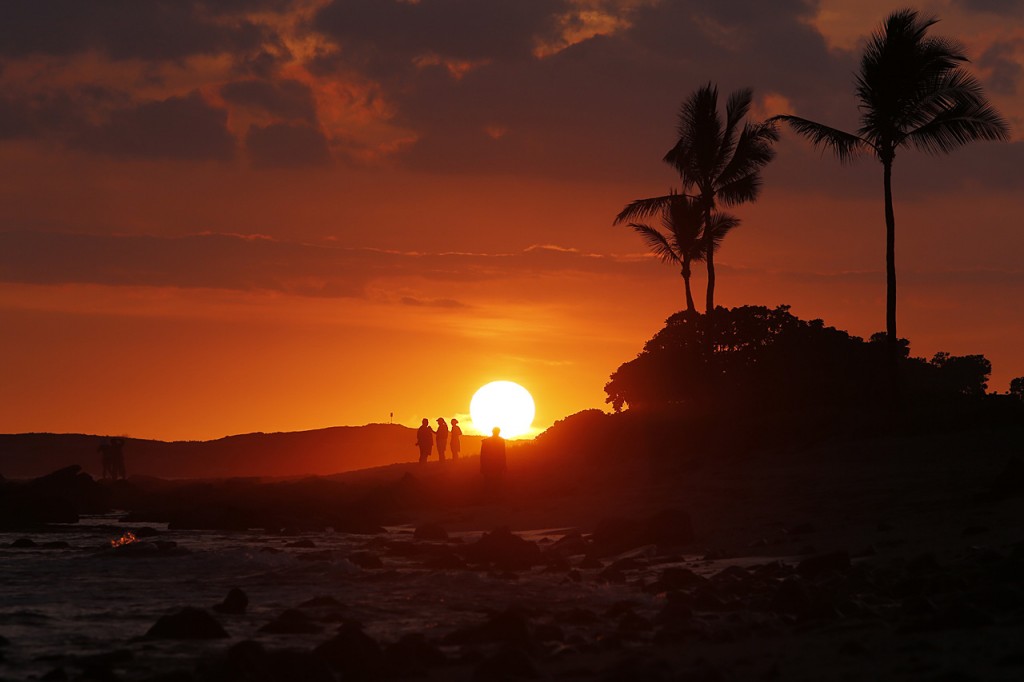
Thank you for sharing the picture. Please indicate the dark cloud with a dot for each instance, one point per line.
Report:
(432, 302)
(1010, 8)
(129, 29)
(286, 99)
(458, 29)
(1005, 72)
(283, 145)
(239, 262)
(175, 128)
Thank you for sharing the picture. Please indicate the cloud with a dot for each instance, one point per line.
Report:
(128, 29)
(432, 302)
(286, 99)
(283, 145)
(1003, 61)
(185, 127)
(1000, 7)
(460, 29)
(255, 262)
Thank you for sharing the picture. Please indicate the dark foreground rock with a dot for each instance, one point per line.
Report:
(504, 550)
(235, 602)
(188, 623)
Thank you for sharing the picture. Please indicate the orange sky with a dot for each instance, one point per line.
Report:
(263, 215)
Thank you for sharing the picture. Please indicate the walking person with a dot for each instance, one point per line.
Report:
(455, 439)
(442, 438)
(425, 440)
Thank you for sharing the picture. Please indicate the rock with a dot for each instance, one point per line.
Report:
(366, 560)
(504, 550)
(508, 627)
(677, 611)
(55, 675)
(824, 564)
(638, 668)
(235, 602)
(291, 622)
(792, 596)
(678, 578)
(146, 532)
(320, 602)
(413, 655)
(56, 544)
(432, 532)
(188, 623)
(23, 543)
(506, 664)
(248, 660)
(354, 653)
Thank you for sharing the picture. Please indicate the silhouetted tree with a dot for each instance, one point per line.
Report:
(768, 361)
(912, 92)
(680, 241)
(717, 161)
(968, 372)
(1017, 387)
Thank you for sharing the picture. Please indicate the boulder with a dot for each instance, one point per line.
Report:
(188, 623)
(354, 653)
(291, 622)
(235, 602)
(508, 627)
(504, 550)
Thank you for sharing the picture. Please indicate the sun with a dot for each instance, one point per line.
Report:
(505, 404)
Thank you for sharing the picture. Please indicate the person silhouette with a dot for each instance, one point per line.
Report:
(455, 439)
(117, 457)
(425, 439)
(442, 438)
(492, 456)
(112, 458)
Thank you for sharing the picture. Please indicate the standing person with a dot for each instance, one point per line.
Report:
(492, 456)
(442, 438)
(456, 439)
(425, 440)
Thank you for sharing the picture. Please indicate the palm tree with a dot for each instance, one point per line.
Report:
(913, 92)
(717, 161)
(680, 241)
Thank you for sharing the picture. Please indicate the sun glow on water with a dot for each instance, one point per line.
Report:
(504, 404)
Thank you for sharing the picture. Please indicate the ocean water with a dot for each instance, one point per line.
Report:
(60, 605)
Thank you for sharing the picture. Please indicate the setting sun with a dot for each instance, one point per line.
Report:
(505, 404)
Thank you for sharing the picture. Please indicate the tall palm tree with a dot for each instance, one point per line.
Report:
(913, 92)
(717, 161)
(680, 241)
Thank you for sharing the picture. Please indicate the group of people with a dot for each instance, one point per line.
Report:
(445, 438)
(492, 449)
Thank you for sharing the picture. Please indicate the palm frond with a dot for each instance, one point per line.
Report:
(657, 243)
(959, 125)
(640, 209)
(845, 146)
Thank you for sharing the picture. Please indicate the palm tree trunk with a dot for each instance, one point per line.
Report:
(690, 307)
(890, 258)
(709, 305)
(892, 340)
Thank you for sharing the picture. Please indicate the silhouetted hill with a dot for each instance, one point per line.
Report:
(321, 451)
